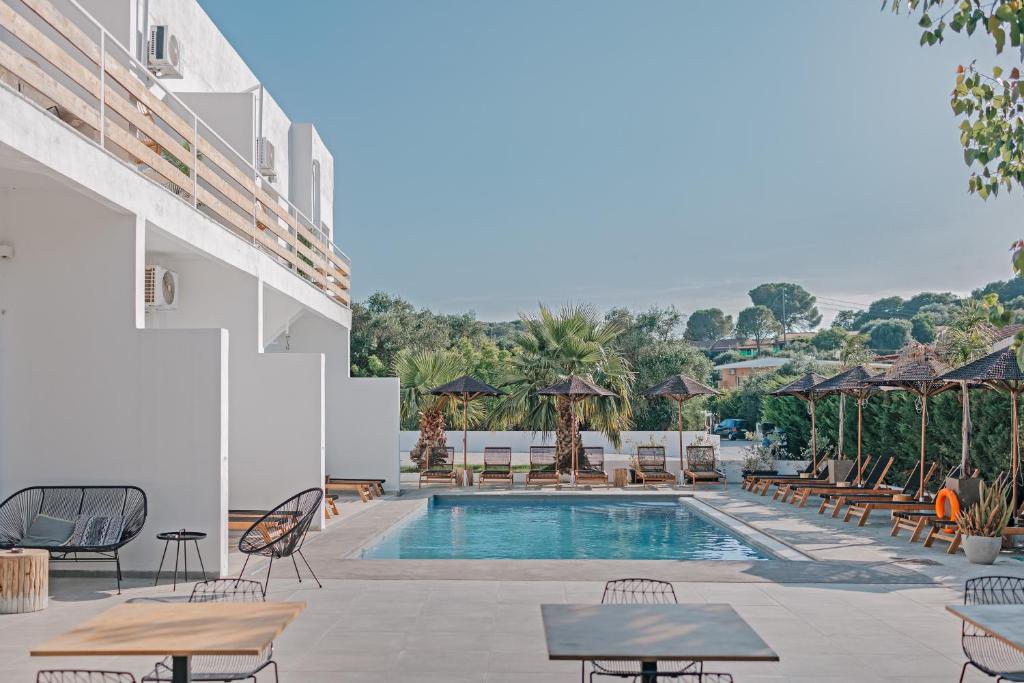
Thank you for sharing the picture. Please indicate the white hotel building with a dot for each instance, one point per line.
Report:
(174, 310)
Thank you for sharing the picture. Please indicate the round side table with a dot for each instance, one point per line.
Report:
(24, 580)
(180, 539)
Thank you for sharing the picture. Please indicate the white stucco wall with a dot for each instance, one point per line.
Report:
(85, 396)
(231, 115)
(306, 147)
(520, 441)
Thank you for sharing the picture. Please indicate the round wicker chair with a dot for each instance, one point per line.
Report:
(83, 676)
(281, 532)
(985, 652)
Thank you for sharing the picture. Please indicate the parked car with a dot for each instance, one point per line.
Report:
(732, 429)
(778, 432)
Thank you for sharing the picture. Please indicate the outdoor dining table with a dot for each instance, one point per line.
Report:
(181, 630)
(1003, 622)
(649, 633)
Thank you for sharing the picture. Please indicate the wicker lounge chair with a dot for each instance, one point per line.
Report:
(650, 466)
(543, 466)
(100, 520)
(869, 481)
(435, 468)
(864, 505)
(590, 468)
(281, 532)
(497, 466)
(700, 467)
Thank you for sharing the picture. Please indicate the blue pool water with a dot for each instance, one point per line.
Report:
(559, 528)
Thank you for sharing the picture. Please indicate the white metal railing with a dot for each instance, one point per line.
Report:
(96, 85)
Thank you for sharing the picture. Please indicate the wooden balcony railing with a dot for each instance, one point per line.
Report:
(68, 64)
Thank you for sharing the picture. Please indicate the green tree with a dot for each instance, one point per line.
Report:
(854, 351)
(757, 323)
(792, 305)
(573, 341)
(846, 319)
(922, 328)
(888, 336)
(418, 372)
(708, 325)
(829, 339)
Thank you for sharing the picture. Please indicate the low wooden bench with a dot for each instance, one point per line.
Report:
(271, 528)
(367, 489)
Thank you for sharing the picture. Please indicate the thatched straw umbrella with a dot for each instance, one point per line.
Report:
(803, 389)
(576, 389)
(849, 383)
(680, 389)
(466, 389)
(1001, 372)
(918, 370)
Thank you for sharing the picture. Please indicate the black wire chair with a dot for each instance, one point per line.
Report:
(82, 676)
(222, 667)
(985, 652)
(281, 532)
(648, 592)
(106, 519)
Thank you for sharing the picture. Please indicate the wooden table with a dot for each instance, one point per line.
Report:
(24, 580)
(181, 630)
(649, 633)
(1003, 622)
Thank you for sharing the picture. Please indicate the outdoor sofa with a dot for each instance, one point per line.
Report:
(71, 520)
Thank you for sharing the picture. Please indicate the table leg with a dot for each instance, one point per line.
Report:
(166, 543)
(177, 553)
(200, 560)
(181, 670)
(649, 672)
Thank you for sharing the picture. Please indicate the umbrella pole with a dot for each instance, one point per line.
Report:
(465, 439)
(842, 419)
(965, 428)
(860, 422)
(1014, 449)
(924, 426)
(575, 428)
(814, 437)
(682, 466)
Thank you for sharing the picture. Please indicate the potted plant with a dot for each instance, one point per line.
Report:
(982, 524)
(760, 459)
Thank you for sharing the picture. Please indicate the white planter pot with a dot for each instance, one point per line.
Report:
(981, 549)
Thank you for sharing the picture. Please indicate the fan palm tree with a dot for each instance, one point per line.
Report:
(418, 372)
(573, 341)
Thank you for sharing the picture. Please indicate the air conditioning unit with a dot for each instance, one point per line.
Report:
(161, 289)
(265, 158)
(164, 53)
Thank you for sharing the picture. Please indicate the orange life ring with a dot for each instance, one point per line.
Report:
(944, 497)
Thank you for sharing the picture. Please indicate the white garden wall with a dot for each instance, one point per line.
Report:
(520, 441)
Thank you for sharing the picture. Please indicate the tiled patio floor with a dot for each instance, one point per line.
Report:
(374, 621)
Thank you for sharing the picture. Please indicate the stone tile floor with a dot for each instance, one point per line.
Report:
(423, 622)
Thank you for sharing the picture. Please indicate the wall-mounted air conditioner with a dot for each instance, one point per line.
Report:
(161, 289)
(265, 159)
(164, 53)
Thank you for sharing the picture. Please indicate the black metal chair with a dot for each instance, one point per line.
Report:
(222, 668)
(281, 532)
(82, 676)
(985, 652)
(636, 591)
(106, 518)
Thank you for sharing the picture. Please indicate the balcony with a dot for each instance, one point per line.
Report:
(71, 67)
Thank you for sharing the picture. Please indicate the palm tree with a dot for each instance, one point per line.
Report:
(573, 341)
(418, 372)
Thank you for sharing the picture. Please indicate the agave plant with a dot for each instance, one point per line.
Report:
(990, 515)
(573, 341)
(418, 372)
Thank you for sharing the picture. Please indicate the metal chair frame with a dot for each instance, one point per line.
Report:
(985, 652)
(293, 519)
(83, 676)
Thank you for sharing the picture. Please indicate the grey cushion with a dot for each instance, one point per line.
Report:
(46, 530)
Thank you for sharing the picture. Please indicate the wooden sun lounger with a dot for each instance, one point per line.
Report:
(784, 488)
(752, 481)
(374, 486)
(916, 521)
(591, 467)
(497, 466)
(700, 467)
(443, 471)
(543, 466)
(650, 466)
(864, 506)
(841, 499)
(269, 529)
(871, 482)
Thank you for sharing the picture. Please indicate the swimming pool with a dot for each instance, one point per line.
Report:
(553, 527)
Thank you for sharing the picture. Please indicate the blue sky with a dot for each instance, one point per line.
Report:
(490, 155)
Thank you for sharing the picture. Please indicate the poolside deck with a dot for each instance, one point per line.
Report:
(870, 608)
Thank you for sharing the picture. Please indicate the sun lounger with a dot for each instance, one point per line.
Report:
(497, 466)
(841, 499)
(784, 488)
(543, 466)
(374, 486)
(762, 484)
(870, 482)
(700, 467)
(439, 469)
(591, 467)
(650, 466)
(752, 480)
(863, 506)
